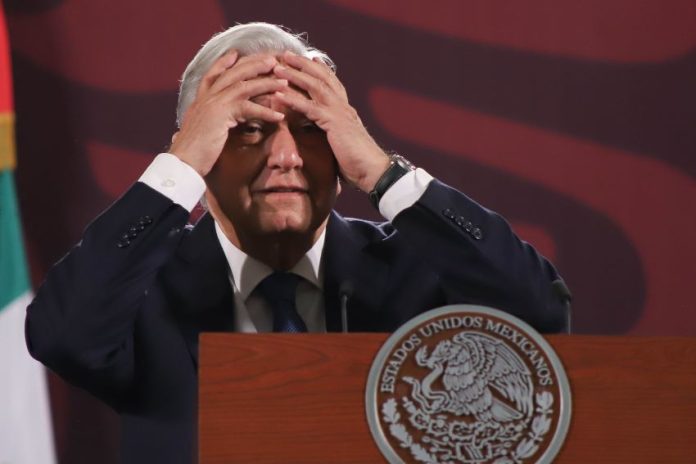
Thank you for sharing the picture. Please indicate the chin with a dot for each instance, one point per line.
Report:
(287, 223)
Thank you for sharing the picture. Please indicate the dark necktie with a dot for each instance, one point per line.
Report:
(279, 291)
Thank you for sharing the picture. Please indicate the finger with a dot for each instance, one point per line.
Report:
(255, 87)
(315, 68)
(300, 103)
(304, 64)
(250, 110)
(223, 63)
(336, 82)
(316, 88)
(247, 68)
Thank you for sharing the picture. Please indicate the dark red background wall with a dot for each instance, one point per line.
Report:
(576, 120)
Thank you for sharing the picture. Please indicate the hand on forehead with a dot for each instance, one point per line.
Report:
(304, 74)
(270, 100)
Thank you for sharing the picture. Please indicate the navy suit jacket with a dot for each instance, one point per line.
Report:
(120, 315)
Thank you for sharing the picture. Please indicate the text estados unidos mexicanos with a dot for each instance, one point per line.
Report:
(393, 364)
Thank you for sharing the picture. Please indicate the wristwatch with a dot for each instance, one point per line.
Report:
(398, 167)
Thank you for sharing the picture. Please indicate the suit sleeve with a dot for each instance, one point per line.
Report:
(480, 260)
(82, 319)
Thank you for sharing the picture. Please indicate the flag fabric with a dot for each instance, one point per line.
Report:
(25, 423)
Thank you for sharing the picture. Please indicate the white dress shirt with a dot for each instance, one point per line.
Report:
(183, 185)
(252, 312)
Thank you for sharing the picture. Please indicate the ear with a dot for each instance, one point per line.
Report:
(338, 185)
(174, 137)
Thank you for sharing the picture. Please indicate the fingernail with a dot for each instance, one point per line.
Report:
(290, 52)
(231, 56)
(280, 67)
(283, 81)
(278, 115)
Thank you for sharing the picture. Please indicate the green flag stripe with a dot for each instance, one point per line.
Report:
(14, 278)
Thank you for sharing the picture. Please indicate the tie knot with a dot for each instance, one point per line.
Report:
(279, 286)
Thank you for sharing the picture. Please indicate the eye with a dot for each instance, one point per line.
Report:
(249, 133)
(309, 127)
(251, 128)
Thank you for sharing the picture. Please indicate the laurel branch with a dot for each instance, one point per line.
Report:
(540, 427)
(527, 447)
(391, 416)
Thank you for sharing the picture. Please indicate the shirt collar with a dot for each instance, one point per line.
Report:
(247, 272)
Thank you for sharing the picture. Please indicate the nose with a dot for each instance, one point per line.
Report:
(283, 152)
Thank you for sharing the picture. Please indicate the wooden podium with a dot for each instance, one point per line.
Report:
(280, 398)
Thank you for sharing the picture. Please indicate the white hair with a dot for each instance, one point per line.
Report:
(247, 39)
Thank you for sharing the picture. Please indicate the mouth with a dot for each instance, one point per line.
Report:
(282, 191)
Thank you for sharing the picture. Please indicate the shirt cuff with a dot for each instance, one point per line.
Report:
(175, 180)
(404, 193)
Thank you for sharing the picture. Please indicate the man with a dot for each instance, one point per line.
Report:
(266, 131)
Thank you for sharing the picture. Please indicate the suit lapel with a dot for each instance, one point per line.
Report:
(200, 295)
(198, 280)
(352, 257)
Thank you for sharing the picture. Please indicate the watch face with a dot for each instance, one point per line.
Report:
(403, 162)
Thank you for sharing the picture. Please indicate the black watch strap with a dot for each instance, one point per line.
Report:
(397, 169)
